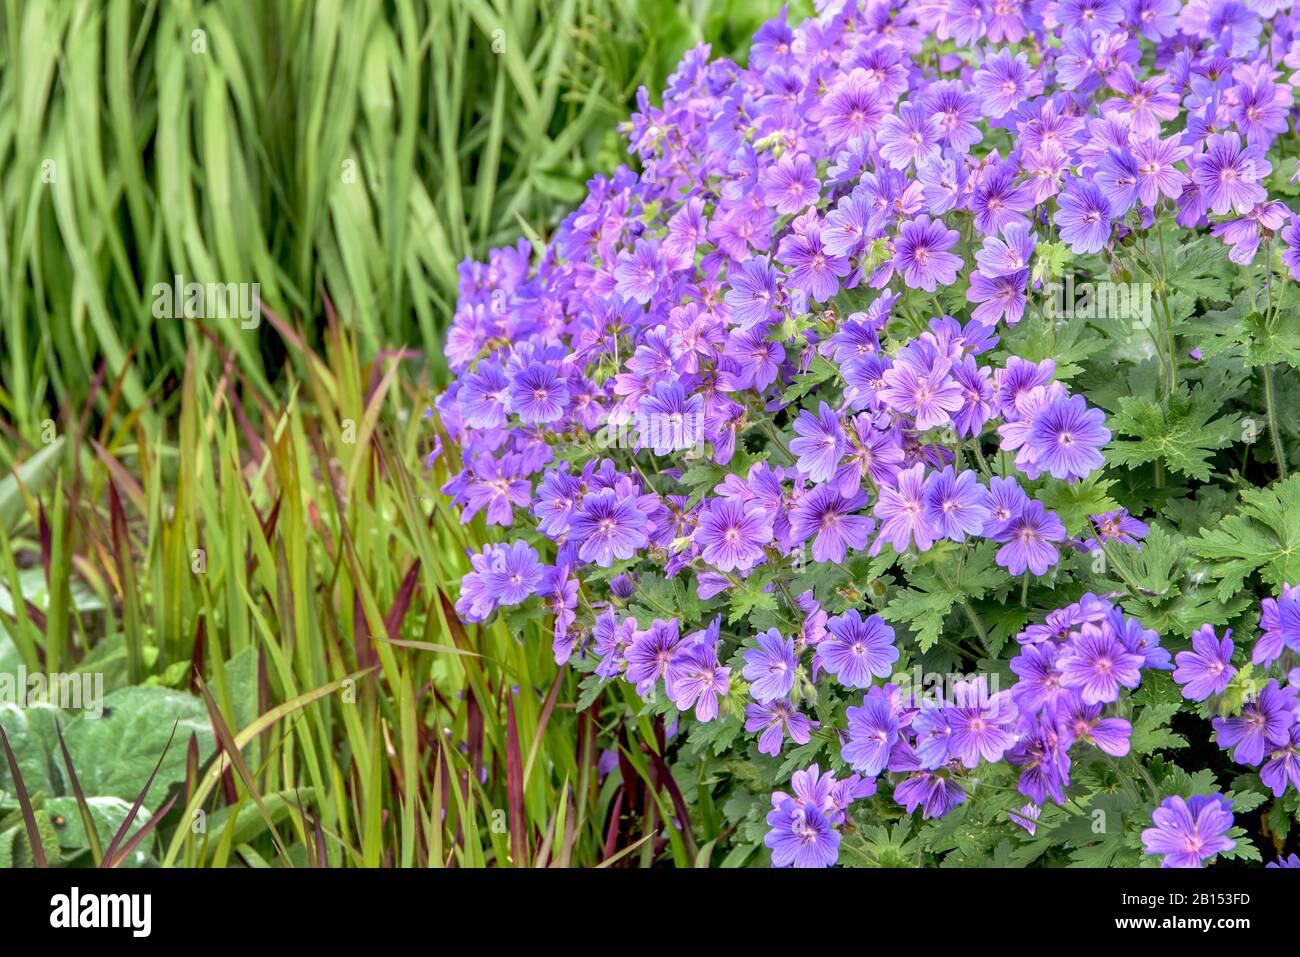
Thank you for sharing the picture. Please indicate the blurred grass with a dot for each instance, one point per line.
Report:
(344, 145)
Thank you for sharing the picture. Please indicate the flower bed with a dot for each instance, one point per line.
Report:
(911, 433)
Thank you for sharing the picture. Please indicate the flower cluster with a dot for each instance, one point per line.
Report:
(747, 350)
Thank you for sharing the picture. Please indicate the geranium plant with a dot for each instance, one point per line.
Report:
(908, 429)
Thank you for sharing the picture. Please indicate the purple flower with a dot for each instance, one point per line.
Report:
(650, 653)
(1156, 174)
(920, 253)
(854, 650)
(641, 272)
(930, 396)
(1003, 82)
(513, 573)
(1206, 669)
(1283, 764)
(821, 442)
(901, 511)
(910, 137)
(753, 294)
(831, 516)
(775, 720)
(770, 668)
(1267, 720)
(1189, 832)
(1043, 754)
(731, 534)
(1039, 684)
(1280, 622)
(1008, 255)
(1097, 664)
(982, 726)
(872, 734)
(1229, 174)
(790, 186)
(956, 505)
(1065, 438)
(538, 394)
(801, 836)
(1028, 538)
(998, 202)
(813, 269)
(1083, 215)
(695, 680)
(854, 107)
(1083, 722)
(670, 420)
(932, 791)
(610, 527)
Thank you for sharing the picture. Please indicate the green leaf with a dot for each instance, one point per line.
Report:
(923, 611)
(1181, 430)
(115, 753)
(1263, 536)
(1076, 503)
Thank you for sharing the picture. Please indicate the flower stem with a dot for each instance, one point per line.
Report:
(1270, 404)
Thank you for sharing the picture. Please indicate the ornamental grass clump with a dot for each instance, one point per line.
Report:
(804, 433)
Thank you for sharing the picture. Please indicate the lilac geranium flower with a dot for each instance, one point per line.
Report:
(754, 293)
(1282, 765)
(538, 395)
(1228, 174)
(956, 505)
(1002, 82)
(821, 442)
(982, 726)
(930, 395)
(790, 186)
(731, 534)
(611, 527)
(935, 792)
(801, 837)
(921, 253)
(1097, 664)
(694, 679)
(670, 420)
(1083, 215)
(1189, 832)
(854, 650)
(640, 272)
(813, 268)
(901, 511)
(1083, 722)
(1028, 540)
(650, 653)
(1280, 622)
(770, 668)
(1207, 668)
(776, 719)
(1039, 677)
(513, 573)
(1066, 436)
(910, 137)
(872, 734)
(1266, 721)
(831, 516)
